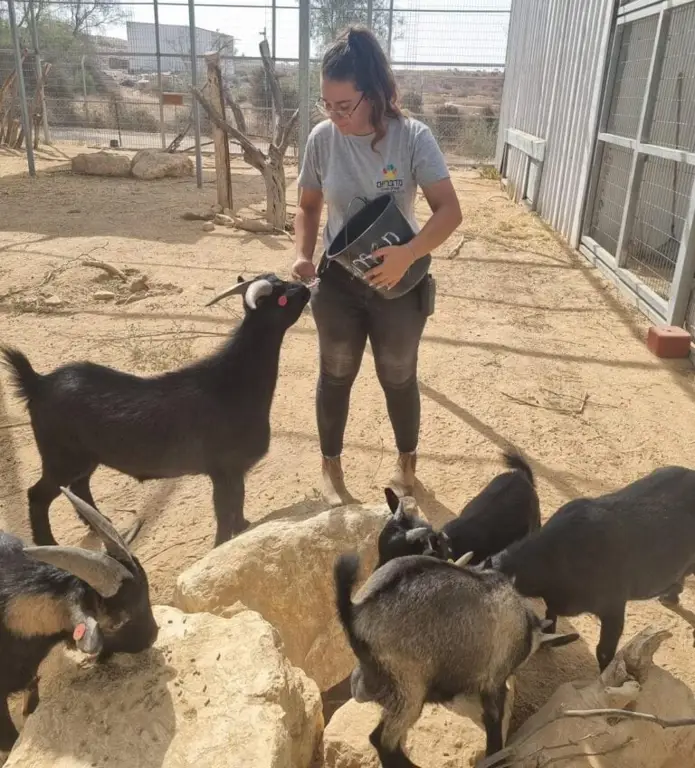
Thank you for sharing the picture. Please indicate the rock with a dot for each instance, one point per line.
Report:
(224, 221)
(630, 681)
(439, 739)
(101, 164)
(228, 212)
(53, 301)
(208, 227)
(104, 296)
(213, 692)
(156, 164)
(284, 570)
(217, 208)
(138, 284)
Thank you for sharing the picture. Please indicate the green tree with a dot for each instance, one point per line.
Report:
(330, 17)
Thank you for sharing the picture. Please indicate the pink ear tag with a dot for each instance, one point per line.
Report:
(282, 301)
(79, 631)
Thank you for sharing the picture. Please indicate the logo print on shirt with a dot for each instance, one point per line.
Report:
(390, 181)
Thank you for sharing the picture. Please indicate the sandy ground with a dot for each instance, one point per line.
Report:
(528, 345)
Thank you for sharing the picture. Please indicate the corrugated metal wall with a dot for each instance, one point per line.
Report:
(556, 58)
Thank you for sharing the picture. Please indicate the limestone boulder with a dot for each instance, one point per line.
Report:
(101, 164)
(156, 164)
(631, 682)
(284, 570)
(441, 738)
(212, 692)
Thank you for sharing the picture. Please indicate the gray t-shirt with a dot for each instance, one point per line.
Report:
(346, 167)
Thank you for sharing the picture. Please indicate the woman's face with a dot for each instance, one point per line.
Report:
(347, 107)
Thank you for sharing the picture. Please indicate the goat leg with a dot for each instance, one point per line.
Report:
(31, 698)
(550, 615)
(8, 733)
(41, 495)
(228, 498)
(611, 629)
(395, 722)
(493, 716)
(81, 488)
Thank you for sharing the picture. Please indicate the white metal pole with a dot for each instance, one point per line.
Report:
(158, 51)
(194, 83)
(26, 122)
(304, 49)
(39, 72)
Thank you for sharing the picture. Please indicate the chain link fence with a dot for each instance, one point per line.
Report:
(119, 74)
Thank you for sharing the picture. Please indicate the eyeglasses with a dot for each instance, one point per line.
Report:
(344, 114)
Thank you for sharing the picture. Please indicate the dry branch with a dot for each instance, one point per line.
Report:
(257, 158)
(275, 92)
(456, 249)
(236, 111)
(269, 164)
(223, 173)
(113, 271)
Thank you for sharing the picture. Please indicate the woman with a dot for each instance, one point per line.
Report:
(366, 148)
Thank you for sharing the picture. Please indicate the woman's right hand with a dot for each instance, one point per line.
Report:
(303, 269)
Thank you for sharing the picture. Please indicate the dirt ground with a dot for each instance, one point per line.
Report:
(528, 346)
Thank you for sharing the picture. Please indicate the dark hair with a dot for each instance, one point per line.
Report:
(357, 56)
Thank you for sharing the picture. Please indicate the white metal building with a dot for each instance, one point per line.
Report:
(597, 134)
(174, 46)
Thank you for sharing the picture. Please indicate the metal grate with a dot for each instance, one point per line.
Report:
(662, 205)
(631, 77)
(610, 197)
(673, 124)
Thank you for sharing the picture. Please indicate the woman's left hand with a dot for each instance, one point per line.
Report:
(396, 260)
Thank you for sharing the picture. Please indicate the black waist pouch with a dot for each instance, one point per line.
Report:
(428, 293)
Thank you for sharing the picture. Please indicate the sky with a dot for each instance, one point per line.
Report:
(427, 35)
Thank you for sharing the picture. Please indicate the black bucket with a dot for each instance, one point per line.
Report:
(379, 224)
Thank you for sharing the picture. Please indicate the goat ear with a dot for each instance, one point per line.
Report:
(113, 542)
(392, 500)
(417, 534)
(100, 571)
(556, 640)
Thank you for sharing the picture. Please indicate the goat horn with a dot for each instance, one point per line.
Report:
(99, 570)
(233, 290)
(464, 560)
(257, 289)
(113, 542)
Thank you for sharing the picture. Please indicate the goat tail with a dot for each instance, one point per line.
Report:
(345, 576)
(514, 460)
(25, 379)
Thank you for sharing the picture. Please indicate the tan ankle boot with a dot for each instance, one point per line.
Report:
(403, 480)
(335, 494)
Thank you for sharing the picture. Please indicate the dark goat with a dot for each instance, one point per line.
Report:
(211, 417)
(97, 600)
(425, 630)
(506, 510)
(595, 554)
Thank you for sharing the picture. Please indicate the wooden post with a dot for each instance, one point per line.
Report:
(222, 162)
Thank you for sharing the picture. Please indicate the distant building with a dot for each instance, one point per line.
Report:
(174, 46)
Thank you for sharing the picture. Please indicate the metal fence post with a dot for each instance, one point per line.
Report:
(370, 13)
(390, 22)
(159, 73)
(24, 109)
(304, 46)
(194, 83)
(273, 29)
(39, 72)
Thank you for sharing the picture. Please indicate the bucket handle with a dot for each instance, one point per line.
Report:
(347, 215)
